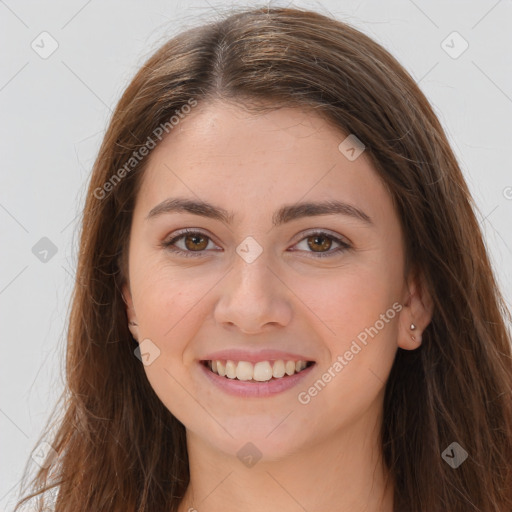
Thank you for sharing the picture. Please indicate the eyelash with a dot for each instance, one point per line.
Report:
(195, 254)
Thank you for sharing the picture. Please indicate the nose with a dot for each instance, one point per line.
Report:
(254, 298)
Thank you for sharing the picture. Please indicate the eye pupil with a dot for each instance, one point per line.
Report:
(195, 238)
(326, 245)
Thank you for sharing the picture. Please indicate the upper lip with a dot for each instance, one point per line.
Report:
(237, 354)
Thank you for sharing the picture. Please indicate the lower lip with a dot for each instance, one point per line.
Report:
(242, 388)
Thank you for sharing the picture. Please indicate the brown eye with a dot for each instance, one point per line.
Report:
(188, 243)
(319, 243)
(195, 242)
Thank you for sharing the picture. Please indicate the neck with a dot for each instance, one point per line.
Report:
(343, 472)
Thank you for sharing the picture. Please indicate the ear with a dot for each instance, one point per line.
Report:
(417, 311)
(133, 324)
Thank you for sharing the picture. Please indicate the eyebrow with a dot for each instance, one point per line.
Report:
(286, 213)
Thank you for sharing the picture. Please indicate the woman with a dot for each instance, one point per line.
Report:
(283, 298)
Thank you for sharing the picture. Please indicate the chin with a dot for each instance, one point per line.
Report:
(262, 439)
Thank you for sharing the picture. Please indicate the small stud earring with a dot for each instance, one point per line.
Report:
(412, 327)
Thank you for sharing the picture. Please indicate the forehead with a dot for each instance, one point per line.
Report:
(241, 160)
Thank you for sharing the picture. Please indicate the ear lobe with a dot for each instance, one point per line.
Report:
(416, 314)
(133, 324)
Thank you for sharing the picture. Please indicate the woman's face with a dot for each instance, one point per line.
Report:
(271, 281)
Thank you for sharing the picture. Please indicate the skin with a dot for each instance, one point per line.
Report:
(323, 455)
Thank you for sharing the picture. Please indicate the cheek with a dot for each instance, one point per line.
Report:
(168, 310)
(166, 305)
(352, 299)
(359, 306)
(163, 293)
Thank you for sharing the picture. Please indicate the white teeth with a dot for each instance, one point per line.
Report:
(261, 371)
(230, 369)
(278, 370)
(244, 371)
(289, 367)
(300, 365)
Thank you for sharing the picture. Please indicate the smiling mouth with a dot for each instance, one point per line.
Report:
(262, 371)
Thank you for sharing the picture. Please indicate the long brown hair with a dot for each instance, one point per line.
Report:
(119, 448)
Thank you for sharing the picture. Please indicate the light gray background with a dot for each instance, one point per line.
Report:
(54, 112)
